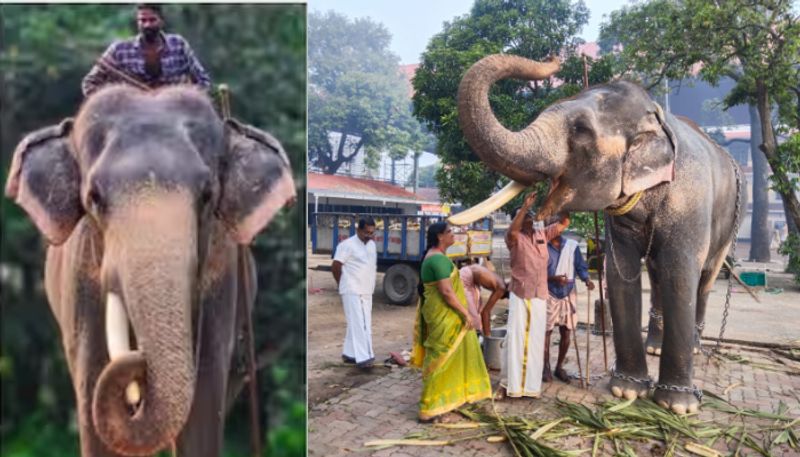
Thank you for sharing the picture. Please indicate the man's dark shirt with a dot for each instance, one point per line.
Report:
(581, 269)
(178, 64)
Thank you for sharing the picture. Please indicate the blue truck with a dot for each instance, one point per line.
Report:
(400, 243)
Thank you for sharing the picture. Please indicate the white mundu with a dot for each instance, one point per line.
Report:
(356, 285)
(524, 360)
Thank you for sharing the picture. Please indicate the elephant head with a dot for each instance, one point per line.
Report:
(597, 148)
(154, 173)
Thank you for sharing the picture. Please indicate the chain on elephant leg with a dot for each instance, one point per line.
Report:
(679, 399)
(655, 332)
(629, 387)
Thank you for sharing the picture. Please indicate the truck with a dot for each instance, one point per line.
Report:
(400, 244)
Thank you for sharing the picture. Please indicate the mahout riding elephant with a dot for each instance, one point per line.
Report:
(148, 201)
(671, 195)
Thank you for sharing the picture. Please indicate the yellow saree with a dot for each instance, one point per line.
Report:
(453, 371)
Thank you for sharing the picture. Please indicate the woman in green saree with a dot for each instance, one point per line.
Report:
(445, 344)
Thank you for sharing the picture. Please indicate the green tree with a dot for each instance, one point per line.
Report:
(260, 52)
(357, 92)
(757, 44)
(427, 176)
(534, 29)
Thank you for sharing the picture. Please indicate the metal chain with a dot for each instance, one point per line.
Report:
(689, 390)
(733, 252)
(655, 315)
(646, 381)
(614, 257)
(700, 327)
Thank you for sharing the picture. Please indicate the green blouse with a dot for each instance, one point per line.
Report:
(436, 268)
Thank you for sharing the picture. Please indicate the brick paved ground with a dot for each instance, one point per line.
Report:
(387, 406)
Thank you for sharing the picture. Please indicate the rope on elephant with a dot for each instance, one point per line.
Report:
(620, 210)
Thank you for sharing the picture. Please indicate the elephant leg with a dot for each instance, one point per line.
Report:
(679, 275)
(202, 436)
(655, 326)
(630, 378)
(707, 279)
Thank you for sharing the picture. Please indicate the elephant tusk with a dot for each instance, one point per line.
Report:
(117, 336)
(118, 340)
(489, 205)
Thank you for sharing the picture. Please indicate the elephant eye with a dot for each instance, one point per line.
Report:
(640, 139)
(97, 203)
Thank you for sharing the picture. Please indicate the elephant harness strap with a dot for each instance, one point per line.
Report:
(625, 207)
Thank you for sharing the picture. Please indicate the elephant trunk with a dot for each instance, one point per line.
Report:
(537, 152)
(143, 397)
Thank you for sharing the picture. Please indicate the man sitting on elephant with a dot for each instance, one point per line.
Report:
(564, 263)
(149, 60)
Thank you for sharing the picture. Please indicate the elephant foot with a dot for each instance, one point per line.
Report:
(628, 387)
(683, 401)
(655, 333)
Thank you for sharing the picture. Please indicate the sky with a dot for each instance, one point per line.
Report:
(413, 22)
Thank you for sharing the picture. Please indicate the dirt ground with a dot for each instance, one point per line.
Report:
(391, 332)
(775, 320)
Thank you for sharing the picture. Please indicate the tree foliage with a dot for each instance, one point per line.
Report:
(757, 44)
(260, 52)
(532, 29)
(356, 90)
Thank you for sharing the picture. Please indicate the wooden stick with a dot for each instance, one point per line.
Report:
(588, 329)
(600, 284)
(747, 288)
(584, 382)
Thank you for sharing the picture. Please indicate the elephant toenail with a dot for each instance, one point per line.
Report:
(658, 351)
(663, 404)
(679, 409)
(643, 394)
(616, 391)
(651, 350)
(693, 407)
(630, 394)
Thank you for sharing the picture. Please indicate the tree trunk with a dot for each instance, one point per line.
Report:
(759, 223)
(786, 191)
(416, 171)
(792, 227)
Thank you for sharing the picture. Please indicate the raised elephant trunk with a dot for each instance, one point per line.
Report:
(143, 397)
(533, 154)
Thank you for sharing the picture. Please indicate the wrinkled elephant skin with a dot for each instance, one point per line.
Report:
(145, 199)
(601, 149)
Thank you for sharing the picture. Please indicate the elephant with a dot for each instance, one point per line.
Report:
(148, 201)
(671, 196)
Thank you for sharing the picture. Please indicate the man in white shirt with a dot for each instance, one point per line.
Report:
(354, 267)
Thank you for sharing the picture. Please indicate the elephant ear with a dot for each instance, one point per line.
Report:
(653, 162)
(45, 180)
(256, 180)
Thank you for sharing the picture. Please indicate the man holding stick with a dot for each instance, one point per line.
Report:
(564, 263)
